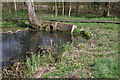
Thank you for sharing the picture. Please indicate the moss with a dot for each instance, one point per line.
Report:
(84, 33)
(22, 24)
(45, 27)
(76, 31)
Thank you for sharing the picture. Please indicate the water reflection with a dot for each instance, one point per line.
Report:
(15, 45)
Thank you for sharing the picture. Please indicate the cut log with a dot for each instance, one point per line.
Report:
(59, 26)
(86, 21)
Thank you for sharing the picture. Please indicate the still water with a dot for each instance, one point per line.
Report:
(15, 45)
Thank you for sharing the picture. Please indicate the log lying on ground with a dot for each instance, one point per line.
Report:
(82, 21)
(15, 19)
(58, 26)
(86, 21)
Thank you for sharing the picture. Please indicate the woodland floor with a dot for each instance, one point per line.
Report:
(95, 58)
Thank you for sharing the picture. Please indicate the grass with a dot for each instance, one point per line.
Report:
(12, 29)
(63, 68)
(106, 68)
(81, 17)
(20, 14)
(85, 33)
(32, 64)
(14, 24)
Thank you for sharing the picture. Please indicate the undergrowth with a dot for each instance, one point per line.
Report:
(106, 68)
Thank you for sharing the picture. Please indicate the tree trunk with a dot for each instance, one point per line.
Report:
(9, 8)
(23, 5)
(56, 9)
(53, 8)
(15, 8)
(34, 22)
(77, 9)
(108, 14)
(105, 13)
(63, 10)
(69, 11)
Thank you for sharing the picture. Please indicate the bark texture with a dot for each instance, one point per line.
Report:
(9, 8)
(15, 7)
(34, 22)
(56, 9)
(106, 11)
(69, 11)
(77, 9)
(59, 26)
(63, 10)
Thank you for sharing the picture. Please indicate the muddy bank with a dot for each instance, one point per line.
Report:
(5, 31)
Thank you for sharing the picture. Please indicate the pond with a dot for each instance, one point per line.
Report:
(15, 45)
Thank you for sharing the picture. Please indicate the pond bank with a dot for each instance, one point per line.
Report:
(11, 30)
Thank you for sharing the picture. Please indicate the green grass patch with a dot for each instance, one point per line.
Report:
(36, 61)
(85, 33)
(106, 68)
(80, 17)
(63, 68)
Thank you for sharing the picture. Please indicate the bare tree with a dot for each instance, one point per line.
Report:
(9, 7)
(69, 11)
(77, 9)
(106, 9)
(108, 14)
(63, 9)
(34, 22)
(15, 7)
(53, 8)
(56, 9)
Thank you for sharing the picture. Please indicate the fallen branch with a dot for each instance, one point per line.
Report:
(82, 21)
(15, 19)
(86, 21)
